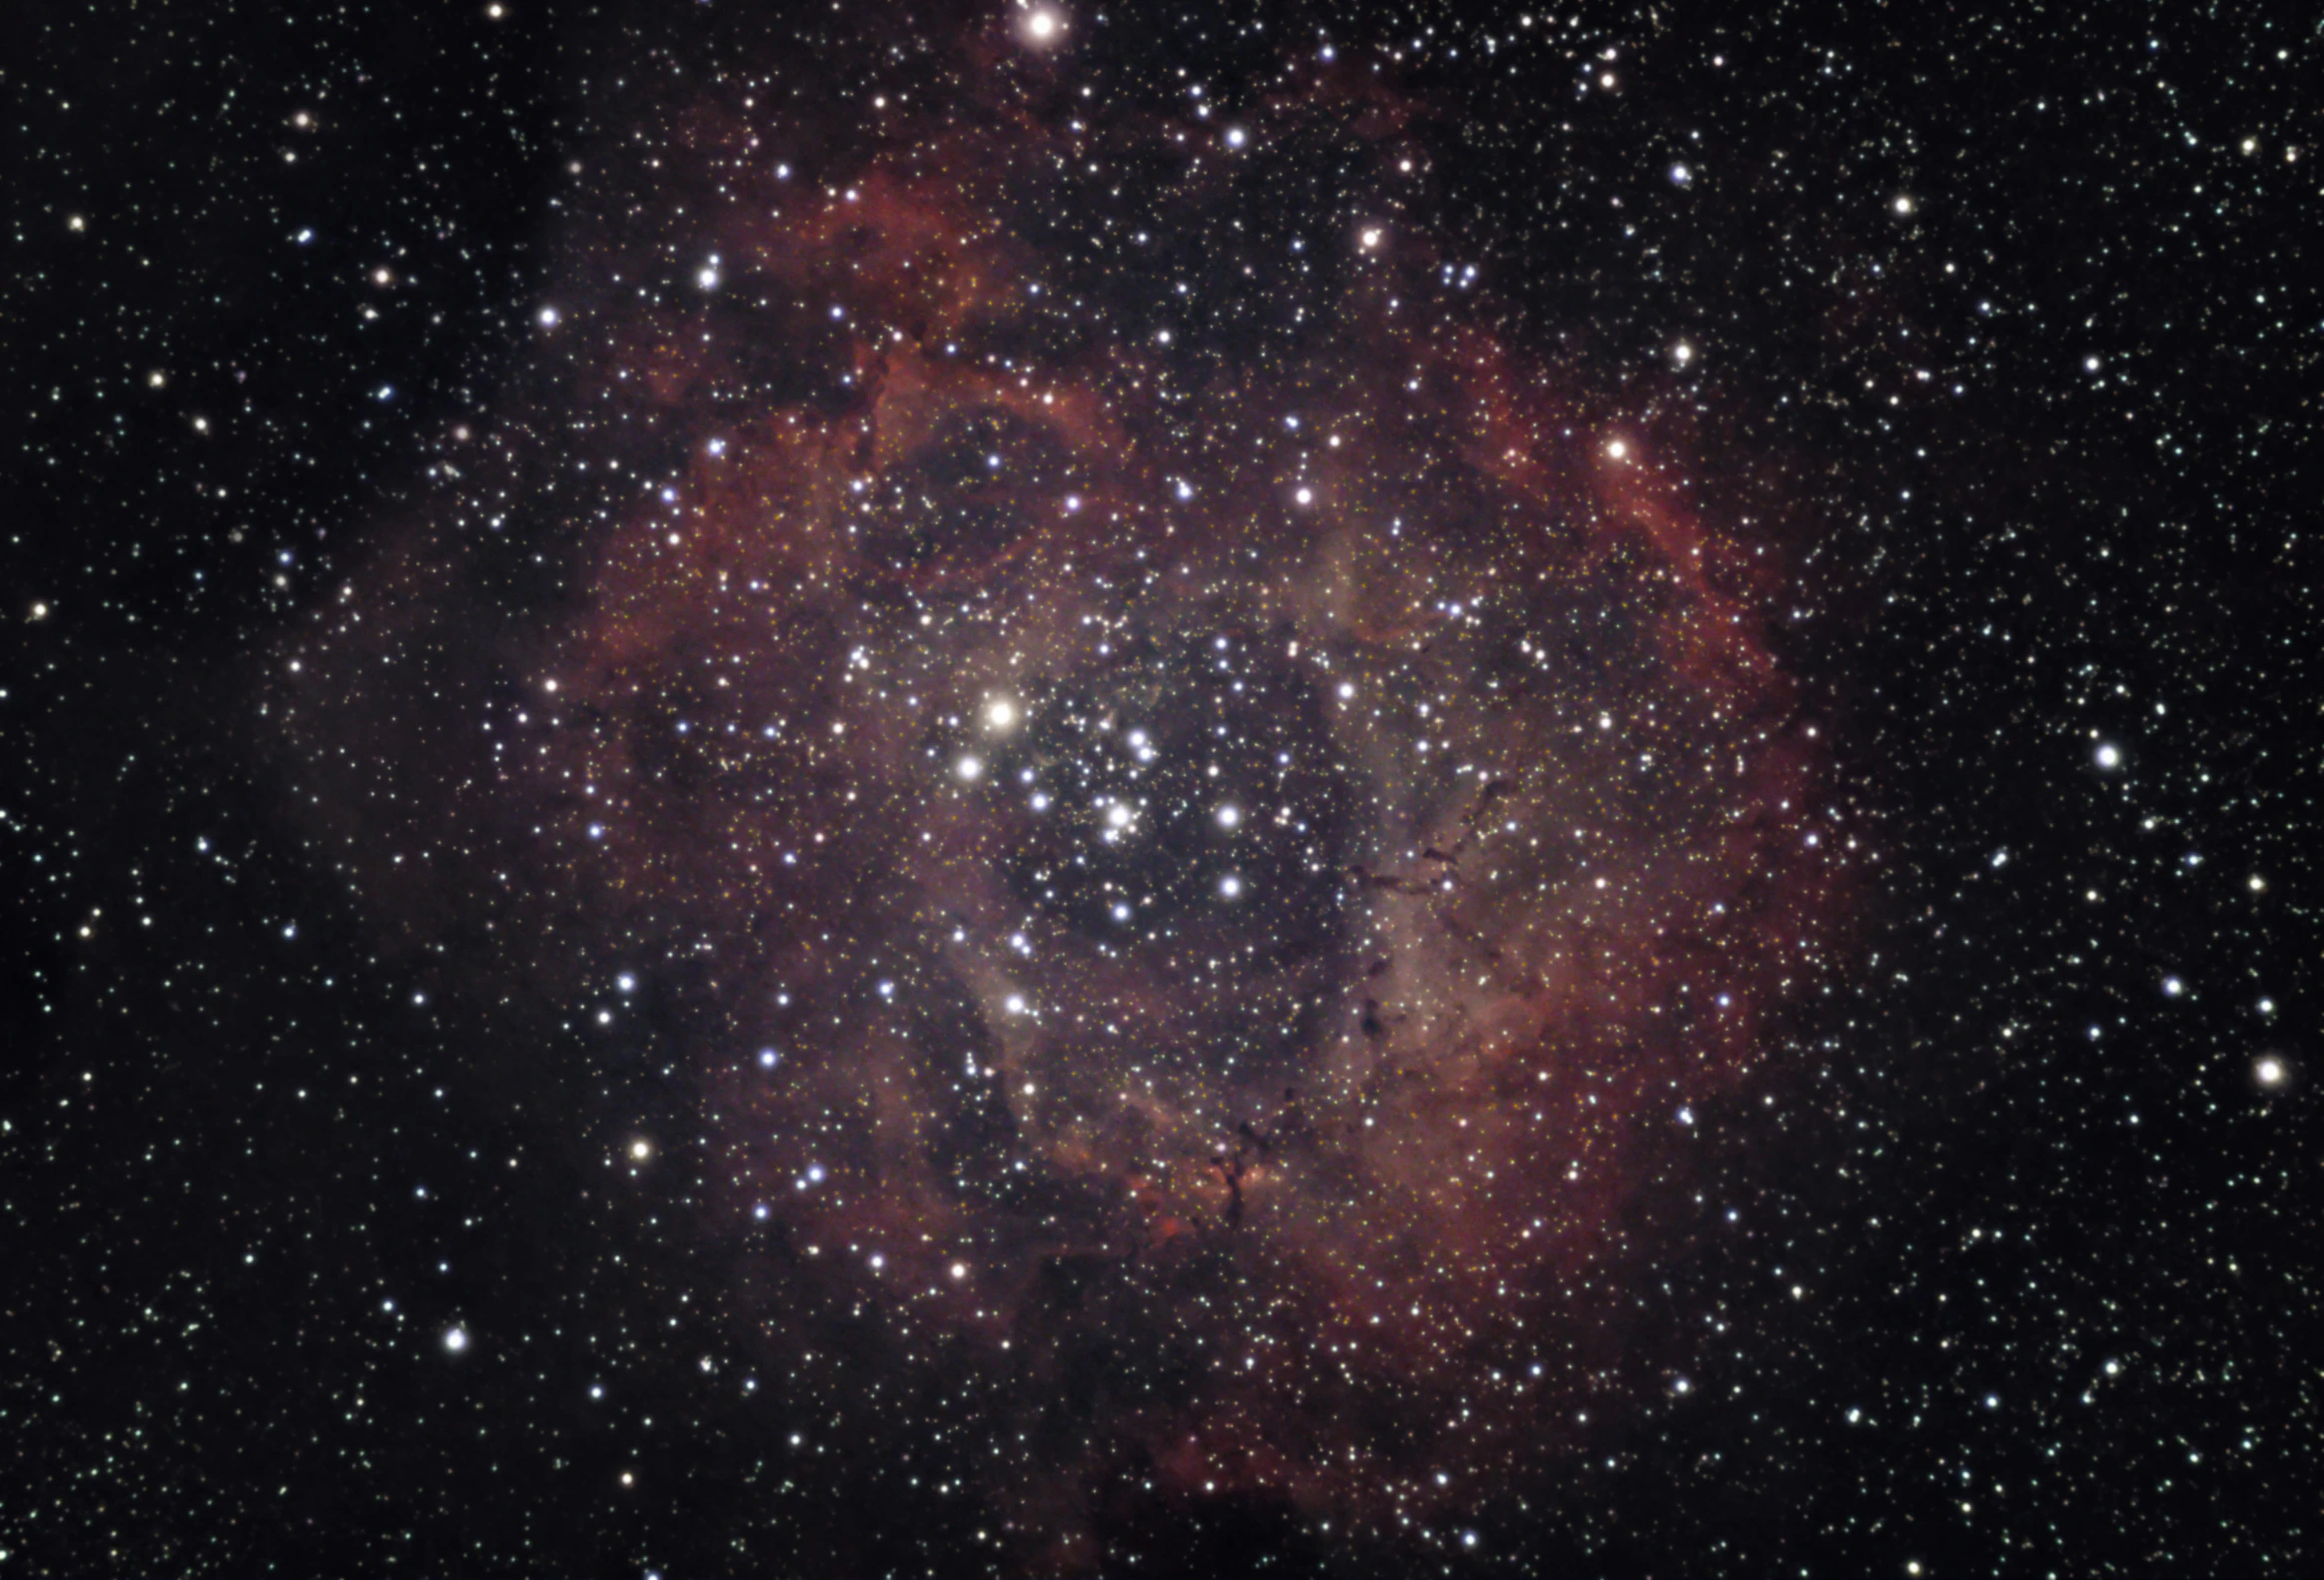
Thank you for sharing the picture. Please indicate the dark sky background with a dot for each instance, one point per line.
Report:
(2001, 327)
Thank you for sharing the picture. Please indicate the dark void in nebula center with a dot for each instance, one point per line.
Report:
(1198, 813)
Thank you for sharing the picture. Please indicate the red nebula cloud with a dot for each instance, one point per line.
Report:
(995, 526)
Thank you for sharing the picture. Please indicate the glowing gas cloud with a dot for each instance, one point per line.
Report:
(1200, 813)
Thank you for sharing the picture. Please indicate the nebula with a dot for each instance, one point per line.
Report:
(1198, 809)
